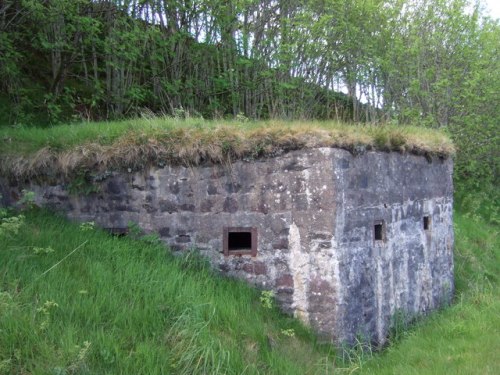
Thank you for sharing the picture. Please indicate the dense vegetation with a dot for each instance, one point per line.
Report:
(433, 63)
(75, 300)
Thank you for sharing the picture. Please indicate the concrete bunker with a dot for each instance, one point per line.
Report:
(343, 240)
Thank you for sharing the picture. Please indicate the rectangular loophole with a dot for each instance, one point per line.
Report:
(427, 222)
(240, 241)
(379, 231)
(118, 232)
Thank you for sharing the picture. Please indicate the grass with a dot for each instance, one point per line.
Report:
(64, 149)
(76, 301)
(464, 338)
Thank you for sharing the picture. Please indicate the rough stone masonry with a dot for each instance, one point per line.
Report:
(345, 242)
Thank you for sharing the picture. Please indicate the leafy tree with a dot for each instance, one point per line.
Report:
(430, 62)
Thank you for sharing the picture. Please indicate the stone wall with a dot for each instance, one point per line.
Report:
(410, 270)
(313, 213)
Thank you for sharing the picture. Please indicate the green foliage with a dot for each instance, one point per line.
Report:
(82, 184)
(356, 355)
(400, 326)
(27, 200)
(267, 299)
(6, 301)
(100, 60)
(431, 63)
(43, 250)
(290, 332)
(10, 226)
(44, 313)
(479, 202)
(134, 230)
(87, 226)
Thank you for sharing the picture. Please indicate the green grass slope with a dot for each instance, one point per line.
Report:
(79, 301)
(76, 301)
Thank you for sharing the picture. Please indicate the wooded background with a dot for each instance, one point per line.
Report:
(431, 62)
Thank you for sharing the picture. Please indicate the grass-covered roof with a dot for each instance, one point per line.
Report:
(135, 144)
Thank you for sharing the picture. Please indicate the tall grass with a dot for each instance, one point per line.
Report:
(122, 306)
(27, 140)
(67, 149)
(76, 301)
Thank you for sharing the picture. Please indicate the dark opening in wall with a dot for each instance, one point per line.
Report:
(427, 222)
(118, 232)
(379, 231)
(240, 241)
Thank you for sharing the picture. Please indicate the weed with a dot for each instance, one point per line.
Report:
(5, 366)
(240, 117)
(134, 230)
(381, 140)
(358, 353)
(81, 356)
(397, 141)
(27, 200)
(78, 364)
(10, 225)
(82, 184)
(180, 113)
(45, 312)
(267, 299)
(42, 250)
(151, 238)
(290, 332)
(400, 324)
(87, 226)
(7, 302)
(192, 260)
(3, 210)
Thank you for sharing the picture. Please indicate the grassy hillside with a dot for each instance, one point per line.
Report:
(66, 149)
(75, 300)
